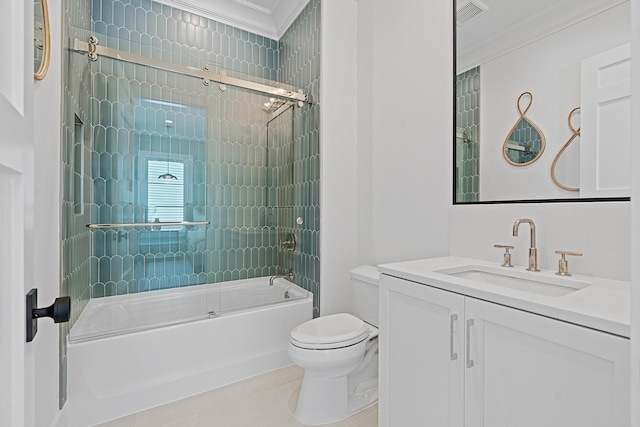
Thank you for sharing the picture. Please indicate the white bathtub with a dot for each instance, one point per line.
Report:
(134, 352)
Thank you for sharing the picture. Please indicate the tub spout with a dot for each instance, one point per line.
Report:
(289, 276)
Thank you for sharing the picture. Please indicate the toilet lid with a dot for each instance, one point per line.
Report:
(337, 329)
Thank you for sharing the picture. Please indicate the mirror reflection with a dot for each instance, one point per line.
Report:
(525, 142)
(555, 49)
(38, 42)
(41, 39)
(575, 134)
(523, 145)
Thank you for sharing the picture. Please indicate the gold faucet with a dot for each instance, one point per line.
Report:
(533, 252)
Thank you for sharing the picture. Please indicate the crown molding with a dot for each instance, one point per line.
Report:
(253, 6)
(297, 7)
(245, 14)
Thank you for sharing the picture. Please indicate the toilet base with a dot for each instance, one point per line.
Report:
(325, 400)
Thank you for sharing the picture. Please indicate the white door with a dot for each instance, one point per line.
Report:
(421, 355)
(16, 198)
(606, 126)
(532, 371)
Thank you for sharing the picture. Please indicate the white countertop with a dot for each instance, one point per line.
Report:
(604, 305)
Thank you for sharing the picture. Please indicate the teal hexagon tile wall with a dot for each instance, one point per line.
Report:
(467, 135)
(216, 143)
(300, 214)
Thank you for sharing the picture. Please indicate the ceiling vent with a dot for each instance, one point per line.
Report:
(468, 10)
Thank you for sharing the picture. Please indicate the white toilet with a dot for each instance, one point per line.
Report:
(339, 354)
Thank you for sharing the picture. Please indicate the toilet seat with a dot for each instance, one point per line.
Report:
(329, 332)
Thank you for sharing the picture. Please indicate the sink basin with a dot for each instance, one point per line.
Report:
(520, 280)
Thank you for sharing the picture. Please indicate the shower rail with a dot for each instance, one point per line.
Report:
(93, 50)
(148, 224)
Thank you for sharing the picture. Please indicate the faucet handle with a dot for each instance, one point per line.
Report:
(563, 264)
(507, 255)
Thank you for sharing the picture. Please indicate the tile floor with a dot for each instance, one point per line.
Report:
(264, 401)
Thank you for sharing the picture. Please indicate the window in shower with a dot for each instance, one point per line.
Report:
(165, 191)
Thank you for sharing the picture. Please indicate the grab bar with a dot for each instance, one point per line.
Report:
(147, 224)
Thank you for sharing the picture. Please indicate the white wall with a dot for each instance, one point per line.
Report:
(598, 229)
(338, 160)
(410, 139)
(46, 265)
(550, 70)
(635, 224)
(365, 133)
(386, 151)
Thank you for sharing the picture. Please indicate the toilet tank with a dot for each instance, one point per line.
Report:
(364, 285)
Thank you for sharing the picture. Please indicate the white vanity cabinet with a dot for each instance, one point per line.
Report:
(421, 376)
(451, 360)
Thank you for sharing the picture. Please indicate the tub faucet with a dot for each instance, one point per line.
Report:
(533, 252)
(290, 275)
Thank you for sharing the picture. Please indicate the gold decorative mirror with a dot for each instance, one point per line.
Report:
(576, 133)
(41, 39)
(525, 141)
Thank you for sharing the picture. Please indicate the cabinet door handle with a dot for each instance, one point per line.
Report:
(452, 354)
(469, 361)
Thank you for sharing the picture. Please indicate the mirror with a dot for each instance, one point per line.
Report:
(506, 48)
(525, 142)
(41, 39)
(575, 134)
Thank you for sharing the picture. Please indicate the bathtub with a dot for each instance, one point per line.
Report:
(133, 352)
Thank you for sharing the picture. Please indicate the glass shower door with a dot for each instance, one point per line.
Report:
(151, 133)
(243, 237)
(239, 165)
(253, 197)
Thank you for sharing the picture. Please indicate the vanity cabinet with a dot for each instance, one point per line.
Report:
(421, 378)
(451, 360)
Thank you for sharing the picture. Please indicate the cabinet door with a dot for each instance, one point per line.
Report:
(532, 371)
(421, 353)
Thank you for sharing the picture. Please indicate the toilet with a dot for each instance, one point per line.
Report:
(339, 355)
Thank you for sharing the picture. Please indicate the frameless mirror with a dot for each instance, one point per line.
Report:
(560, 51)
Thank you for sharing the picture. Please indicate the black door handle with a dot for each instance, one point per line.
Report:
(59, 311)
